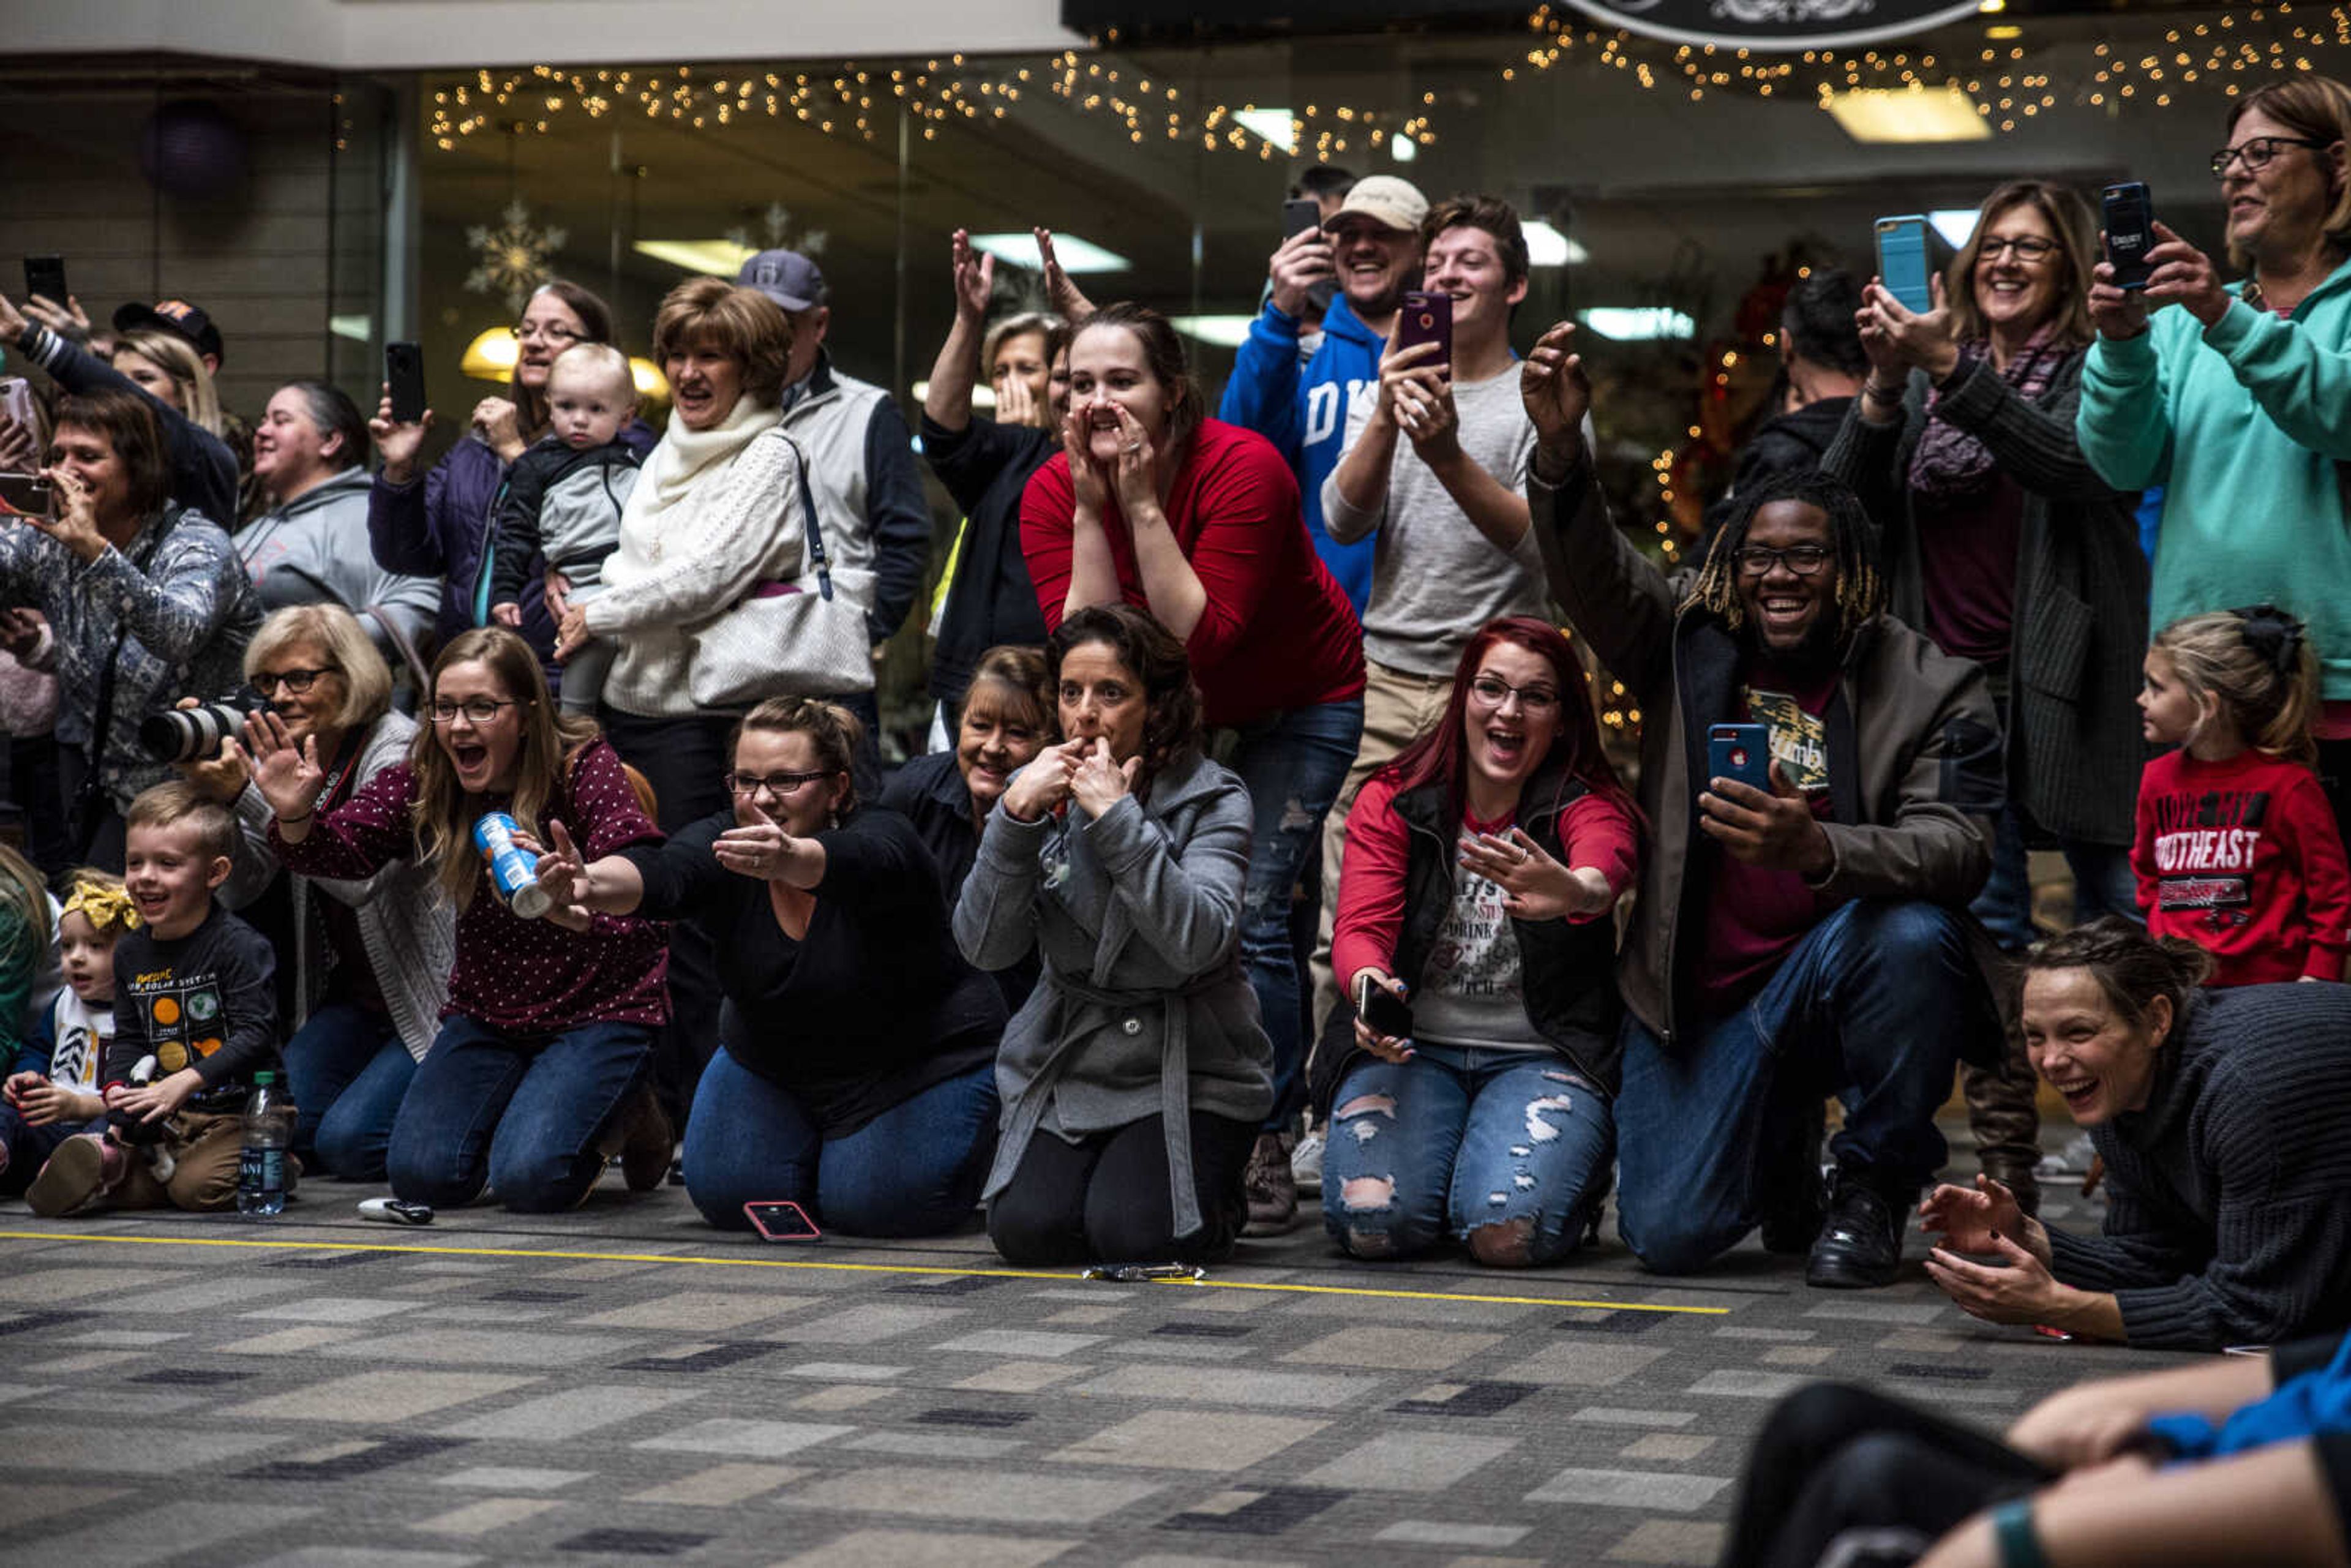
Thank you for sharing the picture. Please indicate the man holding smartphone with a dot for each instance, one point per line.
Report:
(1372, 246)
(1792, 943)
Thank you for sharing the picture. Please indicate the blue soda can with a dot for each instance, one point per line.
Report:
(512, 872)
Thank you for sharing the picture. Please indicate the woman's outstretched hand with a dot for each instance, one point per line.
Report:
(1534, 884)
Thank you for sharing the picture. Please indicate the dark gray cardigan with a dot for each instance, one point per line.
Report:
(2075, 748)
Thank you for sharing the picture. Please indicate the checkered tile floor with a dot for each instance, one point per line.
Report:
(622, 1384)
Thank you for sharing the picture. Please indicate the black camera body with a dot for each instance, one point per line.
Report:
(195, 733)
(129, 1129)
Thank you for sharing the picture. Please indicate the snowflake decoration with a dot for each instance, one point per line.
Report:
(777, 222)
(512, 258)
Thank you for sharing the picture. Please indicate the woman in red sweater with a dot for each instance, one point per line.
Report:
(1482, 866)
(1198, 521)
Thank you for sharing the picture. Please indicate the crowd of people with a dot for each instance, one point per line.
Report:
(550, 772)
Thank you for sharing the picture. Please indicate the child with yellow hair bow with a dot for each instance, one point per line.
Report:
(52, 1093)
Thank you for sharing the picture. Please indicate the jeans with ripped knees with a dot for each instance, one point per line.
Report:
(1456, 1139)
(1294, 763)
(517, 1112)
(1875, 1006)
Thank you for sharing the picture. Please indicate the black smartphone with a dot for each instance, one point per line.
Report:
(1741, 751)
(1426, 318)
(780, 1220)
(45, 276)
(1299, 213)
(1379, 1007)
(2129, 215)
(27, 496)
(404, 372)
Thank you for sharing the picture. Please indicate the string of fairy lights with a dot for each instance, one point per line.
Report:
(2232, 50)
(860, 101)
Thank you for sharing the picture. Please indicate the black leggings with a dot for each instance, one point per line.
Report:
(1105, 1200)
(1841, 1475)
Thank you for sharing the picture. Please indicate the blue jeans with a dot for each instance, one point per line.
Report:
(521, 1113)
(1871, 1006)
(1471, 1143)
(915, 1170)
(1294, 763)
(2103, 883)
(347, 1071)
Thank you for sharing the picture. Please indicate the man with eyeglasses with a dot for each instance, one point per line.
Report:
(2239, 402)
(1791, 942)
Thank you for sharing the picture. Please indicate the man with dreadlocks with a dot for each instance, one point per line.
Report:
(1790, 944)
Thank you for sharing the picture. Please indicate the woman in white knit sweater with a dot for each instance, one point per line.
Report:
(716, 512)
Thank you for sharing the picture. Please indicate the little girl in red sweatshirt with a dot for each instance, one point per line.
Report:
(2237, 849)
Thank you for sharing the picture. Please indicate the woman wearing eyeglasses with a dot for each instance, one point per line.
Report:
(2004, 544)
(549, 1023)
(1482, 866)
(370, 954)
(2239, 402)
(437, 524)
(856, 1074)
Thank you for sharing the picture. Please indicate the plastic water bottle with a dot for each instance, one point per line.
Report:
(261, 1162)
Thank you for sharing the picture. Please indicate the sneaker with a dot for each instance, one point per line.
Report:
(1272, 1193)
(75, 1174)
(1306, 1164)
(1860, 1245)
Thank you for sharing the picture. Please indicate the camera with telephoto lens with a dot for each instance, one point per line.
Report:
(195, 733)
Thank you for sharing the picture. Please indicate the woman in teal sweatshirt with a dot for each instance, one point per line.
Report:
(2239, 402)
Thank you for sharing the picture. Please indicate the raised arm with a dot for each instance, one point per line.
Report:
(946, 402)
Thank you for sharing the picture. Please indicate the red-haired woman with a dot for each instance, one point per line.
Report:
(1481, 868)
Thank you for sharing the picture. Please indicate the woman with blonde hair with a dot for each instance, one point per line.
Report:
(167, 366)
(548, 1029)
(371, 955)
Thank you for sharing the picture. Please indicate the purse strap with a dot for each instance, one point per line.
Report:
(816, 561)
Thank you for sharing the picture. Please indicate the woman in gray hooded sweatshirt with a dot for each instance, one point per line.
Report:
(309, 453)
(1135, 1077)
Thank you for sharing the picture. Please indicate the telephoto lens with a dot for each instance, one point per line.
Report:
(195, 734)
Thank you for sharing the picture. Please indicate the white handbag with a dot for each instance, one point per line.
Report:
(786, 639)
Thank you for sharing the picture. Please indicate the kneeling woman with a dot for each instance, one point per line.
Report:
(1481, 868)
(547, 1030)
(1136, 1075)
(2220, 1115)
(856, 1076)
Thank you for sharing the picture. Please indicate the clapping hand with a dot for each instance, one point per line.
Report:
(1557, 395)
(1968, 1218)
(1098, 782)
(1069, 302)
(1535, 885)
(287, 776)
(975, 279)
(2019, 1289)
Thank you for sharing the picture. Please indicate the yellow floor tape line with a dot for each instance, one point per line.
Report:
(1062, 1276)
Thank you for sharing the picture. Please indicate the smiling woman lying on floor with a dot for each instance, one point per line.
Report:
(2219, 1115)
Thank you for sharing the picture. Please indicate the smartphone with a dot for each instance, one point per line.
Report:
(27, 496)
(404, 372)
(1426, 318)
(1378, 1007)
(45, 276)
(1906, 261)
(16, 402)
(780, 1220)
(1299, 213)
(2129, 214)
(1741, 751)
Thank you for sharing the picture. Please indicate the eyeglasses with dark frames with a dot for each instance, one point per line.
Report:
(2027, 248)
(2257, 152)
(477, 710)
(1804, 561)
(778, 786)
(298, 682)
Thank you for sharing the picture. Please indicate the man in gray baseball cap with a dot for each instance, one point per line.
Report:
(861, 455)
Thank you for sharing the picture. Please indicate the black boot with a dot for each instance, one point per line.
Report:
(1860, 1245)
(1798, 1199)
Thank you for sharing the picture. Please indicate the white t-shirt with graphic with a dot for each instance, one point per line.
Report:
(81, 1033)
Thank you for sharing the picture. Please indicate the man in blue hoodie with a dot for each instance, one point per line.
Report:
(1372, 246)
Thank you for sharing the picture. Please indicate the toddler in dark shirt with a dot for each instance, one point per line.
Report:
(194, 991)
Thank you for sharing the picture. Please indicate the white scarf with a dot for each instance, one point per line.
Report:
(676, 464)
